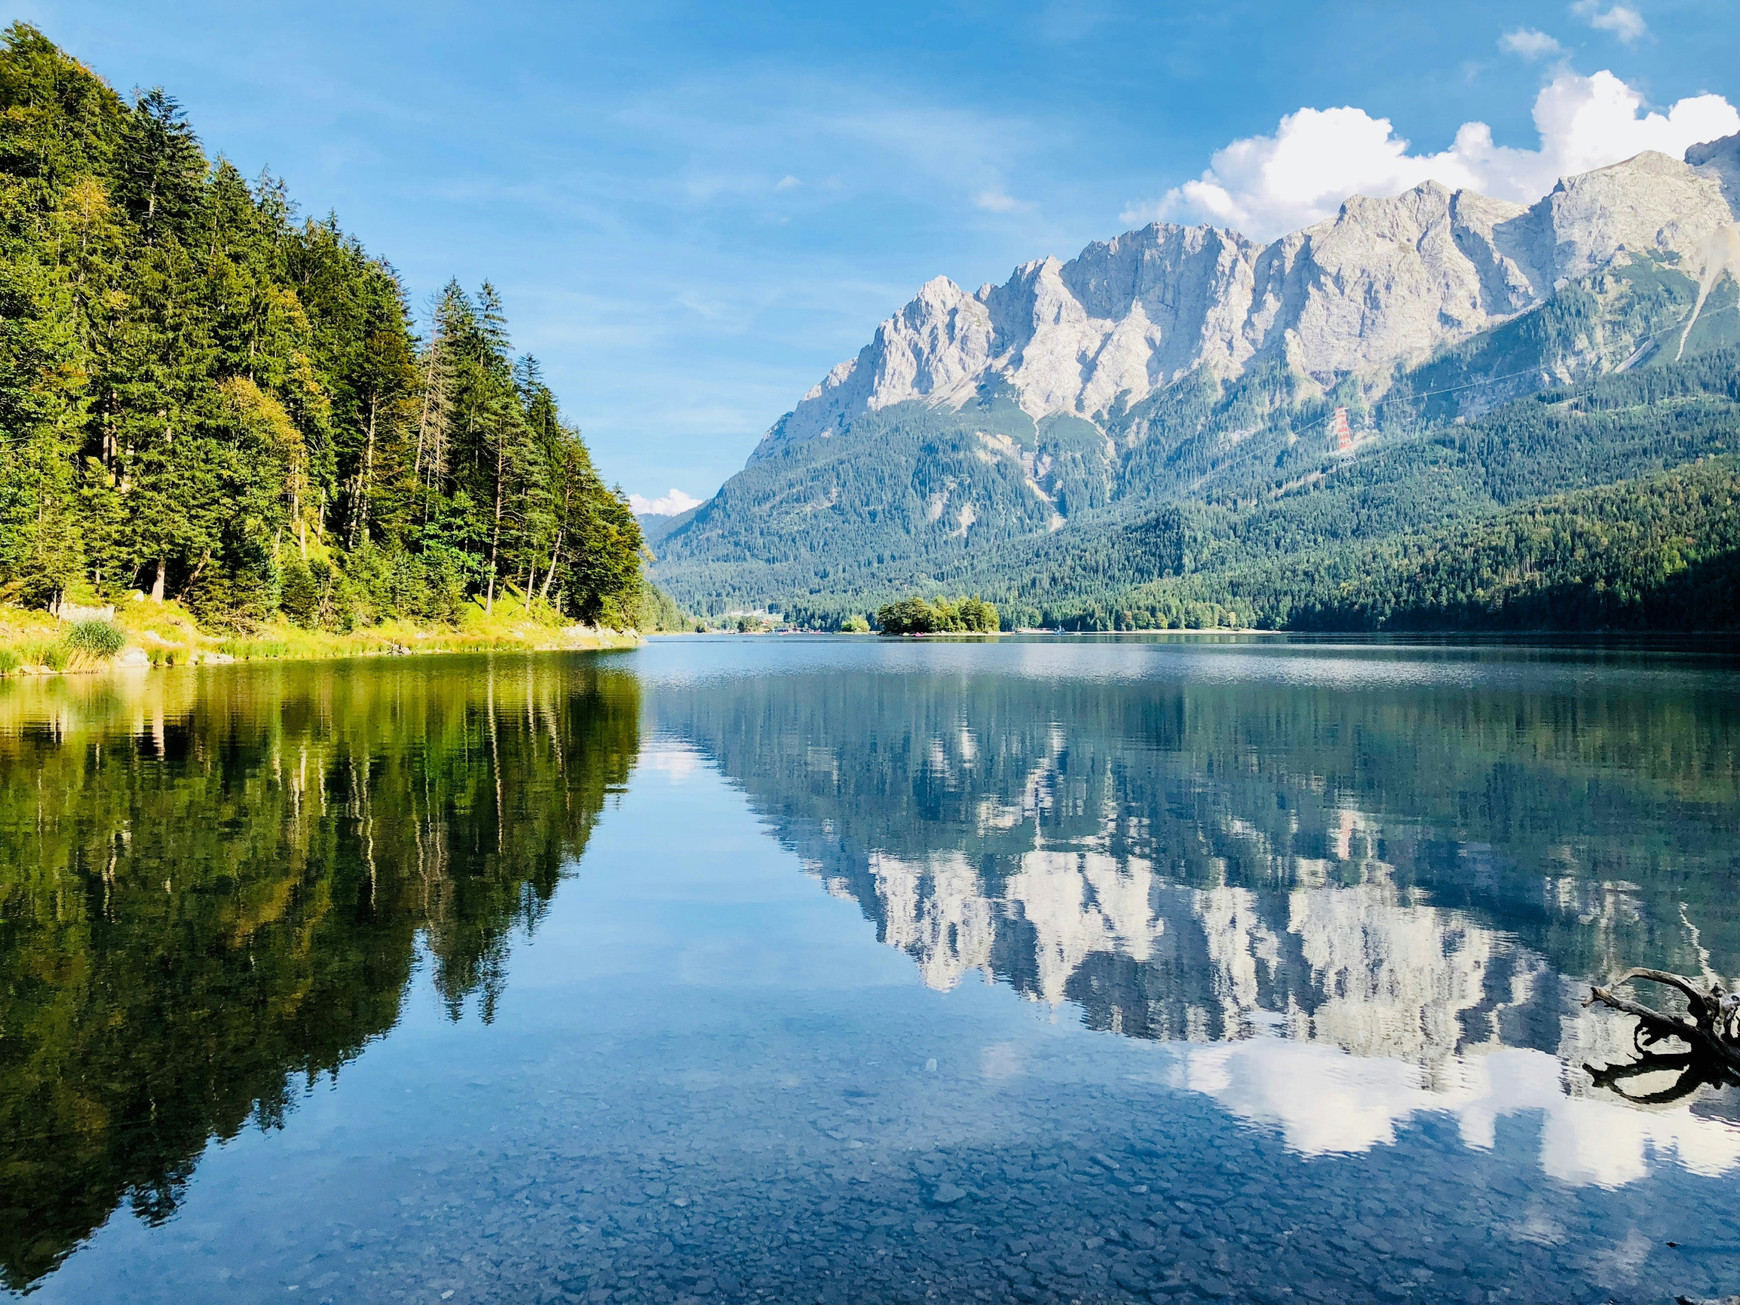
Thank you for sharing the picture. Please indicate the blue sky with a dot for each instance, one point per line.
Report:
(694, 210)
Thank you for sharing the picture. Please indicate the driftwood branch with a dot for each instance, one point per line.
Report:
(1713, 1026)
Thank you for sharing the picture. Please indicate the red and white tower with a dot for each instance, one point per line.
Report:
(1340, 431)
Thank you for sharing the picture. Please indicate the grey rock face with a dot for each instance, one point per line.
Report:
(1720, 159)
(1650, 203)
(1382, 282)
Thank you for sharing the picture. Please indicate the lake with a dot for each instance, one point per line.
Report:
(832, 969)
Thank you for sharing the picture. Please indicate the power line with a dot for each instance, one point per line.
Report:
(1423, 394)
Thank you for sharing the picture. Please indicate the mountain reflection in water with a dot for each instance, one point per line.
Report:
(213, 886)
(1351, 903)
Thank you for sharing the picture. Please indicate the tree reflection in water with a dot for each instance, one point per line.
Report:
(215, 888)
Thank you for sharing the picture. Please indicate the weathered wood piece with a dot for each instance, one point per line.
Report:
(1711, 1024)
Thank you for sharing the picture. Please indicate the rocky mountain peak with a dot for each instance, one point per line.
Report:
(1720, 159)
(1386, 280)
(1650, 202)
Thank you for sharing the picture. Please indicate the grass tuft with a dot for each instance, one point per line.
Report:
(97, 639)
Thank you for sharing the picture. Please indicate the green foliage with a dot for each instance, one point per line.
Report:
(95, 638)
(855, 624)
(657, 612)
(1656, 554)
(205, 397)
(298, 598)
(941, 616)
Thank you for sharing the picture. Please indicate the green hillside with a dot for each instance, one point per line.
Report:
(1269, 557)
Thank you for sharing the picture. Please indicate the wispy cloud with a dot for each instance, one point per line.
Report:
(743, 139)
(1529, 43)
(1622, 20)
(995, 201)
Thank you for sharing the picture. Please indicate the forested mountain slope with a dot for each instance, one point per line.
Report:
(208, 397)
(1267, 549)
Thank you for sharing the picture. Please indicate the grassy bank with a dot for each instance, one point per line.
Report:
(151, 634)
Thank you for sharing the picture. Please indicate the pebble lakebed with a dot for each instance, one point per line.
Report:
(808, 1177)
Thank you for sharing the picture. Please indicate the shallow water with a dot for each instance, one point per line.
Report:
(844, 970)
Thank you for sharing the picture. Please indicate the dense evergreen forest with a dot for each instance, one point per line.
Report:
(206, 396)
(1589, 507)
(1659, 553)
(944, 616)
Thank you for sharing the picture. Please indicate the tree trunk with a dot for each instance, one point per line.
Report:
(365, 479)
(495, 535)
(157, 584)
(550, 575)
(196, 572)
(1714, 1012)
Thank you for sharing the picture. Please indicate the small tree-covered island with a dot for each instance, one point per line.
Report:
(211, 401)
(915, 615)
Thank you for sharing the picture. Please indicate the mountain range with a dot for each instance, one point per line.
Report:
(979, 439)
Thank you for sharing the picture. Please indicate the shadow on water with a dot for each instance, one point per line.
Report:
(1686, 1073)
(215, 887)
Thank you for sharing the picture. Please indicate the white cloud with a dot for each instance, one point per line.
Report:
(1622, 20)
(1265, 185)
(667, 506)
(995, 201)
(1529, 43)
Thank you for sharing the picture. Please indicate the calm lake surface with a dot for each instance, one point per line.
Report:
(835, 970)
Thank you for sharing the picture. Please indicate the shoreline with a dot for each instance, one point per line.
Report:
(165, 636)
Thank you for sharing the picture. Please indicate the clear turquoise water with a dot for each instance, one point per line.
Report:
(846, 970)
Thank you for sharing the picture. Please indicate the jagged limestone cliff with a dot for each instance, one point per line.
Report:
(1384, 281)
